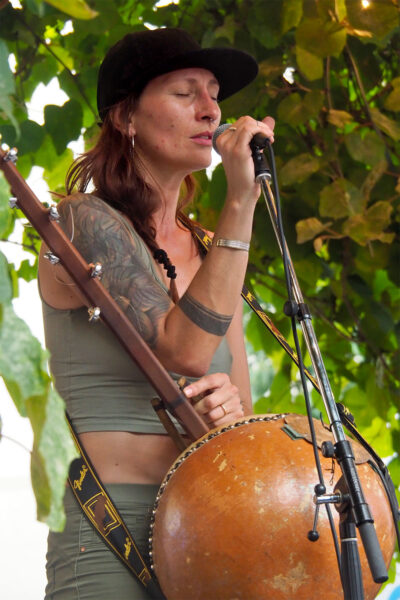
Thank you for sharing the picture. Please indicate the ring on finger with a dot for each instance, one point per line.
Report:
(224, 409)
(231, 129)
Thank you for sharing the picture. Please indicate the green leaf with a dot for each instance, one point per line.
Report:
(378, 18)
(227, 30)
(340, 199)
(340, 9)
(23, 368)
(309, 64)
(365, 146)
(265, 31)
(313, 102)
(321, 38)
(63, 123)
(378, 216)
(25, 377)
(292, 11)
(392, 101)
(374, 175)
(53, 450)
(27, 271)
(63, 56)
(307, 229)
(55, 175)
(218, 188)
(7, 86)
(31, 137)
(291, 110)
(75, 8)
(370, 225)
(299, 169)
(388, 126)
(6, 218)
(6, 292)
(339, 118)
(379, 436)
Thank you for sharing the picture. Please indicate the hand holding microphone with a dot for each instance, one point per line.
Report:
(259, 139)
(246, 136)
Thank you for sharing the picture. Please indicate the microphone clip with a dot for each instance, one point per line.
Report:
(261, 170)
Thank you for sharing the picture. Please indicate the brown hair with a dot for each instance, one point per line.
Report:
(113, 168)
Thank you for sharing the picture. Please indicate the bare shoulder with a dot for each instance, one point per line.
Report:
(85, 219)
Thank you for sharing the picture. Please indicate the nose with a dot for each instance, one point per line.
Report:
(208, 109)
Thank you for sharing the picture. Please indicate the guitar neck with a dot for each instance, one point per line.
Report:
(45, 223)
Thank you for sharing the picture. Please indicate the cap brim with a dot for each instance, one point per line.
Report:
(232, 68)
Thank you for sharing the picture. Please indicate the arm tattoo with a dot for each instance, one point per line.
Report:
(102, 235)
(204, 317)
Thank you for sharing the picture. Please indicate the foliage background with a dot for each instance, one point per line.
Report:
(329, 74)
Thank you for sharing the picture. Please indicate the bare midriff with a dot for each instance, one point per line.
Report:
(123, 457)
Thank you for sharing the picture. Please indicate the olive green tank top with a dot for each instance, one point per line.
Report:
(102, 387)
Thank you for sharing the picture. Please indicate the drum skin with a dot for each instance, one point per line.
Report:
(231, 521)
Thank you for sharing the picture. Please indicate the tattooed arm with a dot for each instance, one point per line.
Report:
(102, 235)
(184, 343)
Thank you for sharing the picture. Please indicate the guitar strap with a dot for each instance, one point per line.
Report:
(104, 516)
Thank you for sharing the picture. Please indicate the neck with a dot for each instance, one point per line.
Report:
(166, 185)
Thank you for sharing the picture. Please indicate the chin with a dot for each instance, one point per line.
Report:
(199, 165)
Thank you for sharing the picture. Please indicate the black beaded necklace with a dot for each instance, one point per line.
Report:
(162, 257)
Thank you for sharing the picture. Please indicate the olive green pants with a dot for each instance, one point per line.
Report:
(81, 567)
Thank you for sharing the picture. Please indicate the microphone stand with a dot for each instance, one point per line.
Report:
(349, 499)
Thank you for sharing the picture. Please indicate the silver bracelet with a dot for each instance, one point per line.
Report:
(234, 244)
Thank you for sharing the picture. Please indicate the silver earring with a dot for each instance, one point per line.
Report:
(133, 141)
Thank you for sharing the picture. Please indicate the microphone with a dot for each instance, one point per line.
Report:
(259, 140)
(257, 144)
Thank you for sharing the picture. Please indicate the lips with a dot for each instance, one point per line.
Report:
(204, 138)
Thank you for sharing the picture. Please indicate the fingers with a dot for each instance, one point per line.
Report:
(244, 129)
(269, 122)
(220, 403)
(206, 383)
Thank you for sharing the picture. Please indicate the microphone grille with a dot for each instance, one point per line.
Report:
(220, 129)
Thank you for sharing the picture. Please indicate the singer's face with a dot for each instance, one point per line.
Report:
(174, 121)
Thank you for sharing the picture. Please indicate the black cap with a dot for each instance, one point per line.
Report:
(140, 56)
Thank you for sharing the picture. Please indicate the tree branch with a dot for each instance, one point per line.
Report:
(356, 72)
(24, 246)
(74, 78)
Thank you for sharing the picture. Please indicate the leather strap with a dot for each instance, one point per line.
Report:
(104, 516)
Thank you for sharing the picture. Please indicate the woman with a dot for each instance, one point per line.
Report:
(158, 95)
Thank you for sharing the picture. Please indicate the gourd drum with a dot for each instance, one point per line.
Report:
(232, 516)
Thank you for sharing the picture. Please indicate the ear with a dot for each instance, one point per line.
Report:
(120, 122)
(131, 127)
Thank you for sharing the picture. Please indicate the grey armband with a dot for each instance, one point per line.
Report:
(204, 317)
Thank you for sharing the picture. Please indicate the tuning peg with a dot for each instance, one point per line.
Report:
(13, 202)
(52, 258)
(96, 271)
(11, 155)
(53, 213)
(94, 314)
